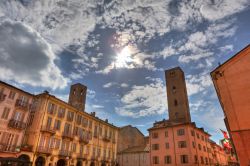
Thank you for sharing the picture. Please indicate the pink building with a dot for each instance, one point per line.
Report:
(15, 106)
(178, 141)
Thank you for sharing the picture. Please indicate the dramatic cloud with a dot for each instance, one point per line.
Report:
(27, 58)
(144, 100)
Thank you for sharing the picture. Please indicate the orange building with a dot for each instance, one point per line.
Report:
(178, 141)
(60, 133)
(232, 84)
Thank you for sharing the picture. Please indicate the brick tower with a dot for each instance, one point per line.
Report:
(178, 107)
(77, 96)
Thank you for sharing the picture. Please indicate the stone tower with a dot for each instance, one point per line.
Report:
(178, 107)
(77, 96)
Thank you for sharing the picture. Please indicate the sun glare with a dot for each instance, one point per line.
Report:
(123, 58)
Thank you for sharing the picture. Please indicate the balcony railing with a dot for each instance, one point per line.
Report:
(84, 140)
(16, 124)
(68, 135)
(106, 138)
(65, 153)
(44, 150)
(48, 129)
(24, 105)
(27, 148)
(2, 97)
(8, 148)
(82, 156)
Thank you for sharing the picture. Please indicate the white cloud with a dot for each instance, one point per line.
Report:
(124, 85)
(97, 106)
(227, 48)
(218, 9)
(144, 100)
(198, 83)
(27, 58)
(108, 85)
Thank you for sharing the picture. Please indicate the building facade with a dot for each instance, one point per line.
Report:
(232, 84)
(134, 156)
(132, 148)
(58, 133)
(15, 107)
(178, 141)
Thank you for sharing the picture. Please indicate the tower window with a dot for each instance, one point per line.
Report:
(174, 89)
(172, 73)
(81, 92)
(74, 91)
(175, 102)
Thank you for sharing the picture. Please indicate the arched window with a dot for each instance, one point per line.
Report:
(175, 102)
(81, 92)
(74, 92)
(174, 89)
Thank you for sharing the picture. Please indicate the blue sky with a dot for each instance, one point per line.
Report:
(120, 49)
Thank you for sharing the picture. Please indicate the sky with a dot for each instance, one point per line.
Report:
(119, 49)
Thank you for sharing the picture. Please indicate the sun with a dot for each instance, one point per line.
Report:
(123, 58)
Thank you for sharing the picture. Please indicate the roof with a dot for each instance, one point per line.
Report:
(136, 149)
(129, 126)
(88, 114)
(16, 88)
(230, 59)
(167, 123)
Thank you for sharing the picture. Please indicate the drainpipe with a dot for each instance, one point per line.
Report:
(174, 146)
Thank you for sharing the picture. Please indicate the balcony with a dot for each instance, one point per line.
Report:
(23, 105)
(16, 124)
(67, 135)
(48, 129)
(44, 150)
(82, 156)
(8, 148)
(84, 140)
(2, 97)
(65, 153)
(106, 138)
(27, 148)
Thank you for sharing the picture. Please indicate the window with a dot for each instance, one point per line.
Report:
(175, 102)
(57, 125)
(197, 135)
(155, 160)
(166, 133)
(57, 143)
(67, 128)
(206, 161)
(172, 74)
(18, 116)
(195, 159)
(184, 159)
(180, 132)
(90, 124)
(155, 135)
(167, 159)
(12, 95)
(174, 89)
(61, 112)
(76, 131)
(202, 138)
(182, 144)
(204, 148)
(5, 113)
(167, 145)
(51, 108)
(155, 147)
(199, 146)
(79, 119)
(100, 131)
(202, 160)
(95, 131)
(70, 116)
(193, 143)
(73, 147)
(192, 132)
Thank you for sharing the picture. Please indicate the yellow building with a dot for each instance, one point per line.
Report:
(61, 133)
